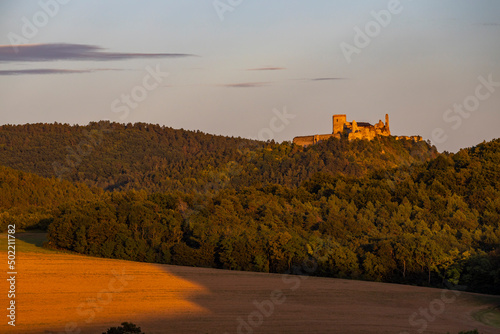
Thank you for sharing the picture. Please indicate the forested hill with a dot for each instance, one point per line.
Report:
(360, 209)
(116, 156)
(29, 200)
(423, 224)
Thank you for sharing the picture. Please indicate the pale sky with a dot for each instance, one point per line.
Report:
(233, 65)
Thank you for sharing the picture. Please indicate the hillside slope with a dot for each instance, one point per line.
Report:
(420, 224)
(27, 199)
(157, 158)
(87, 295)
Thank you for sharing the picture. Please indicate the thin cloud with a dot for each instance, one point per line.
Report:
(267, 69)
(247, 85)
(64, 51)
(39, 71)
(327, 79)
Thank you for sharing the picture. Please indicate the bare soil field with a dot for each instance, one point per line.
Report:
(69, 293)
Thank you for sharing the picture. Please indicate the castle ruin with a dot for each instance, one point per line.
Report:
(353, 130)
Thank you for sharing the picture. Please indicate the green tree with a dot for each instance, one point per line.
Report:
(125, 328)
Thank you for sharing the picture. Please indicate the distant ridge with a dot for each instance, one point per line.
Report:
(157, 158)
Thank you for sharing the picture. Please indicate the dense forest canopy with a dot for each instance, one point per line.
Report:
(139, 156)
(385, 210)
(29, 200)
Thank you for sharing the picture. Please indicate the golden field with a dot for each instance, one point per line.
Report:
(70, 293)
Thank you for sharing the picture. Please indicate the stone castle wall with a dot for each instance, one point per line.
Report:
(311, 140)
(354, 130)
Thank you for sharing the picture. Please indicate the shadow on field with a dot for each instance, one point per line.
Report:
(34, 238)
(246, 302)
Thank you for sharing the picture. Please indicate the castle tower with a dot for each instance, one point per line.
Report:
(387, 122)
(354, 126)
(338, 123)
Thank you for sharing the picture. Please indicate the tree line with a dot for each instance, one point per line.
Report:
(385, 210)
(138, 156)
(423, 224)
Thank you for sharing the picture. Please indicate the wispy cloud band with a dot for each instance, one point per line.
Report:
(327, 79)
(52, 71)
(267, 69)
(246, 85)
(66, 51)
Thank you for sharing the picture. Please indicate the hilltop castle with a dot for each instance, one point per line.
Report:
(354, 130)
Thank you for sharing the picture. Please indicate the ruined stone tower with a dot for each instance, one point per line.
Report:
(338, 123)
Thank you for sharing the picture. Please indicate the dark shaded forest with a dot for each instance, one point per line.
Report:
(386, 210)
